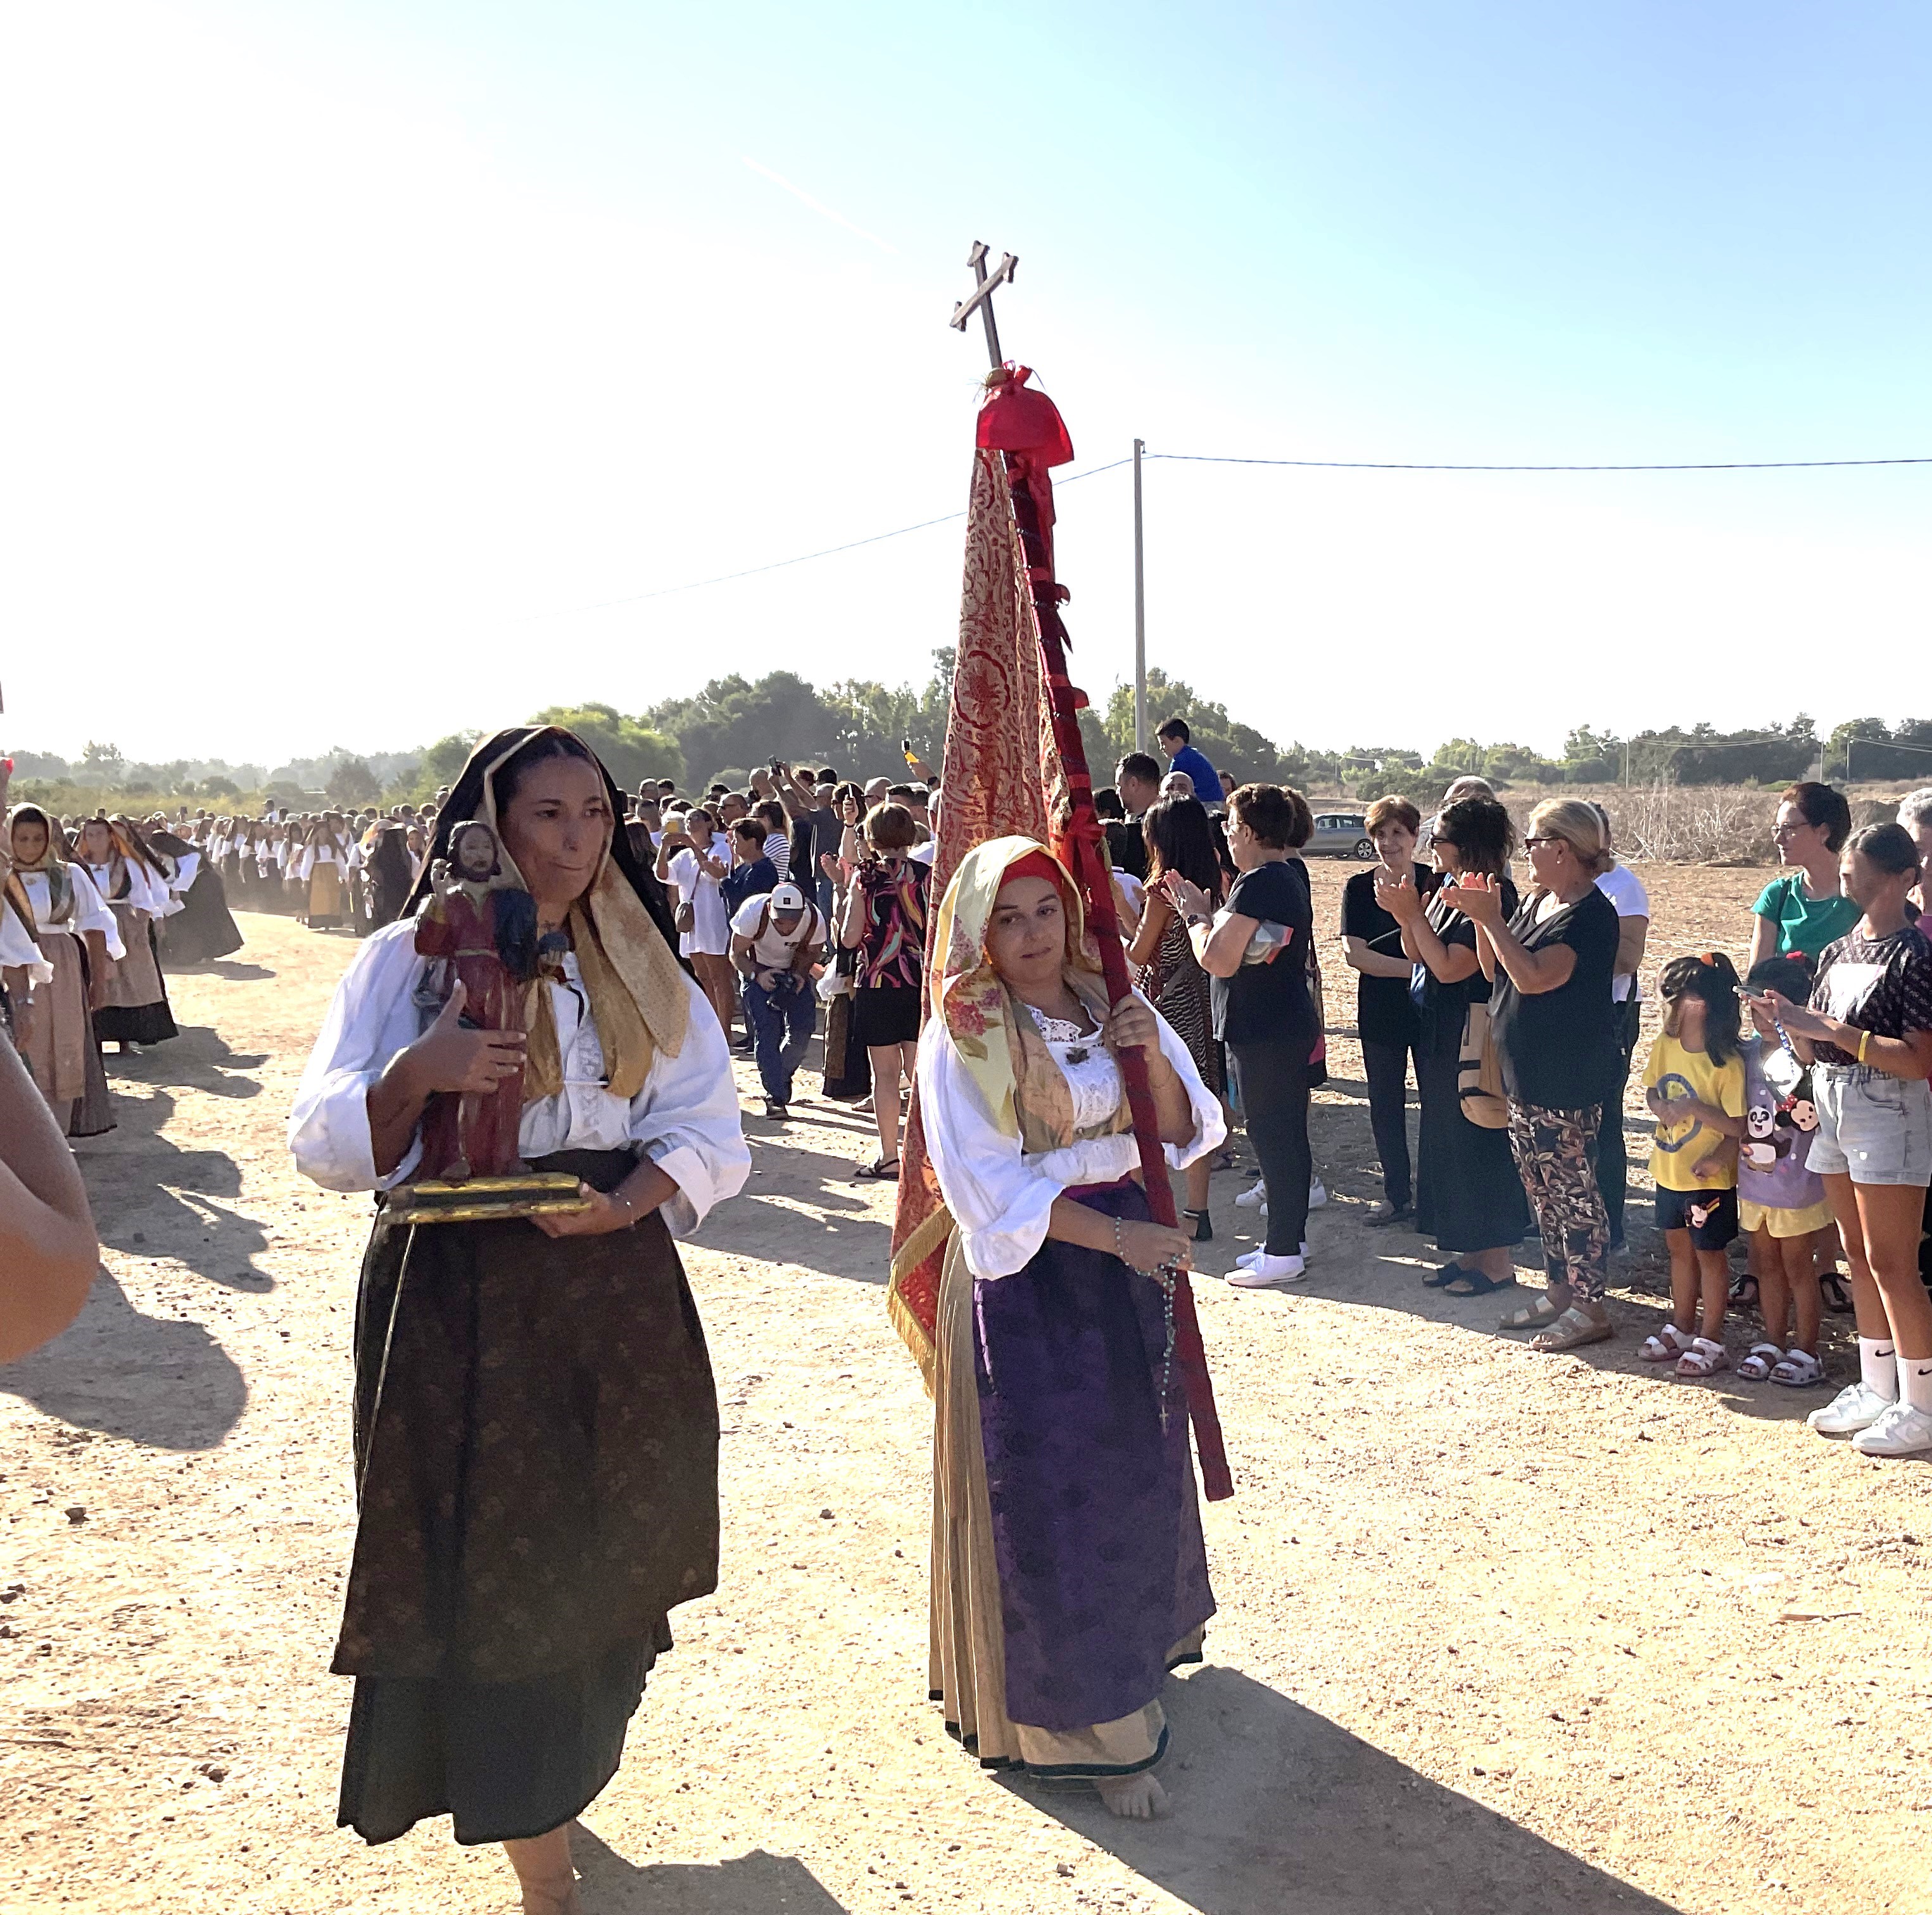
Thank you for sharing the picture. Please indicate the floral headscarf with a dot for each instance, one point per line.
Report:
(1024, 1091)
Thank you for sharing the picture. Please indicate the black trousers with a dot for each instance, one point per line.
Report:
(1274, 1105)
(1387, 1067)
(1613, 1161)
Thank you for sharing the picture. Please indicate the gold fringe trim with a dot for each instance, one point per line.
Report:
(931, 1234)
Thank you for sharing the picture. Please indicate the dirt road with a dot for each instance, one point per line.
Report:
(1499, 1633)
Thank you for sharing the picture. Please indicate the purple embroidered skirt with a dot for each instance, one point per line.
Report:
(1097, 1529)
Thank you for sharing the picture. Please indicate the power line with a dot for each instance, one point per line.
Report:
(1216, 458)
(1385, 465)
(805, 558)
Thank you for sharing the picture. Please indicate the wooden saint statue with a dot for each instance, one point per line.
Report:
(478, 926)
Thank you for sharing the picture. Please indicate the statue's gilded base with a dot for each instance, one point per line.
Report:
(485, 1200)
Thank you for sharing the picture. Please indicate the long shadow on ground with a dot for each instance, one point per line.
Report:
(753, 1884)
(153, 1199)
(165, 1384)
(1280, 1811)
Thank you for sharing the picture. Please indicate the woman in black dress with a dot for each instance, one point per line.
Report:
(1469, 1196)
(1179, 837)
(1386, 1021)
(536, 1427)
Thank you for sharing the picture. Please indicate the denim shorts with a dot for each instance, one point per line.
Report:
(1877, 1128)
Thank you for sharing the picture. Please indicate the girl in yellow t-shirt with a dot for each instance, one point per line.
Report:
(1694, 1085)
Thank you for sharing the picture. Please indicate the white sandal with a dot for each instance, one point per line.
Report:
(1667, 1346)
(1798, 1370)
(1757, 1366)
(1703, 1358)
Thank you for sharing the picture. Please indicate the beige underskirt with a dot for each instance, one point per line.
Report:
(968, 1646)
(134, 981)
(52, 1027)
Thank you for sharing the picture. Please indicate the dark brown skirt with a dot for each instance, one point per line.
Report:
(537, 1446)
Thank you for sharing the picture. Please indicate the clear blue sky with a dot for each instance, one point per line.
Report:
(370, 349)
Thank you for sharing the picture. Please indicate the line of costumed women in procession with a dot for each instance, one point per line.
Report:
(536, 1424)
(78, 956)
(1069, 1572)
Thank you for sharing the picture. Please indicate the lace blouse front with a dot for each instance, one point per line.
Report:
(1088, 1067)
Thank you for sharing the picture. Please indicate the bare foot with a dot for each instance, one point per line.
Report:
(1138, 1797)
(545, 1873)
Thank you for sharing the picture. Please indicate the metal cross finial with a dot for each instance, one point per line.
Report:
(982, 301)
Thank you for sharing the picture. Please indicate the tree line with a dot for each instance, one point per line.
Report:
(734, 723)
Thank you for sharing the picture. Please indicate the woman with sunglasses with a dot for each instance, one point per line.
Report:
(1551, 1015)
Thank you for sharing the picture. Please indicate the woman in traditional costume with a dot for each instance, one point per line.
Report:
(326, 860)
(201, 929)
(536, 1426)
(1068, 1575)
(288, 863)
(392, 871)
(130, 1004)
(79, 938)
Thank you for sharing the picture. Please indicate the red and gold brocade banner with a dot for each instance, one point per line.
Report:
(1001, 775)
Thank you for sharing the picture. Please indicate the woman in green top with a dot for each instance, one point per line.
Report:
(1804, 909)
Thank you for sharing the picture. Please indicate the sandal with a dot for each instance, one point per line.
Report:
(1703, 1358)
(1532, 1315)
(1444, 1276)
(1667, 1346)
(1798, 1370)
(1474, 1283)
(1571, 1331)
(1837, 1299)
(1757, 1366)
(1744, 1292)
(885, 1168)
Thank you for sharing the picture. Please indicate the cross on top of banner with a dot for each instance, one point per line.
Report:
(982, 301)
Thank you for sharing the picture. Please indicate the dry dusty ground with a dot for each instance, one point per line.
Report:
(1499, 1634)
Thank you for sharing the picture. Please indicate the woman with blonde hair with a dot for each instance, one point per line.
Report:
(1551, 1019)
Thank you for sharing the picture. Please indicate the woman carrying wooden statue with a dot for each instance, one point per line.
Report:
(536, 1426)
(1069, 1572)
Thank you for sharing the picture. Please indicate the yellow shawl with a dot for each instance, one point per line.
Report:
(635, 983)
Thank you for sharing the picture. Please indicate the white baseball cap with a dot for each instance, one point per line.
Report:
(787, 898)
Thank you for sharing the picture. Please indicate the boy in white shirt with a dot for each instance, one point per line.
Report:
(775, 940)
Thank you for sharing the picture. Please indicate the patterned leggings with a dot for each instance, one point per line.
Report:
(1556, 1156)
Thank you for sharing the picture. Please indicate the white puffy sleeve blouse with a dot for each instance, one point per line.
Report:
(18, 951)
(686, 1118)
(1001, 1196)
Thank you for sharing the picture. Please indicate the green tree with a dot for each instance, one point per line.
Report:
(734, 721)
(352, 782)
(631, 751)
(102, 765)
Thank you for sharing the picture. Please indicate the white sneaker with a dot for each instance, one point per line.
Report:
(1262, 1270)
(1855, 1408)
(1253, 1197)
(1902, 1430)
(1317, 1194)
(1248, 1258)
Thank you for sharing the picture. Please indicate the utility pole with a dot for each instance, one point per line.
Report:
(1140, 610)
